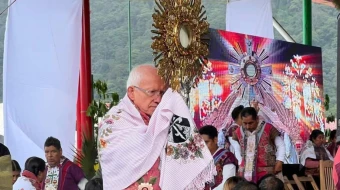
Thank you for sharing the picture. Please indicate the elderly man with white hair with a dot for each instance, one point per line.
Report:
(149, 140)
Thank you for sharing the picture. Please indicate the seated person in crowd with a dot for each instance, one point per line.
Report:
(5, 168)
(16, 170)
(61, 174)
(32, 176)
(94, 184)
(313, 152)
(232, 182)
(270, 182)
(332, 147)
(225, 161)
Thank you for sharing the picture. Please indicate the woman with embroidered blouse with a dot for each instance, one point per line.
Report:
(313, 152)
(32, 176)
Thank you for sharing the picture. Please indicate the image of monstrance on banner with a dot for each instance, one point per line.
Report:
(283, 79)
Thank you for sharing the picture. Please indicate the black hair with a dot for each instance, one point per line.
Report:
(249, 111)
(236, 112)
(315, 133)
(4, 150)
(94, 184)
(332, 135)
(269, 182)
(35, 165)
(233, 181)
(245, 185)
(209, 130)
(51, 141)
(15, 166)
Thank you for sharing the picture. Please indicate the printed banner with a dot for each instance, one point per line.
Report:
(283, 79)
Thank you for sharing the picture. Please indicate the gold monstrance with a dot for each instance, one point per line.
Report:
(180, 44)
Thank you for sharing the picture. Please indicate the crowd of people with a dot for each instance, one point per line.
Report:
(58, 173)
(149, 142)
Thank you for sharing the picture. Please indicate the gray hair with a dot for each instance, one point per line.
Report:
(136, 74)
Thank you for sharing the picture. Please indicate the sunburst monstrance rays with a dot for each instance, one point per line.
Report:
(176, 62)
(250, 72)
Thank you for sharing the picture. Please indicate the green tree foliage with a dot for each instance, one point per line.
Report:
(110, 47)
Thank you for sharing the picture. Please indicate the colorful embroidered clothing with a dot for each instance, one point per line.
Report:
(258, 150)
(52, 178)
(28, 181)
(150, 181)
(66, 176)
(314, 153)
(129, 148)
(222, 157)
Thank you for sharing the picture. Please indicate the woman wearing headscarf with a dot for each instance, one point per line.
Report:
(32, 176)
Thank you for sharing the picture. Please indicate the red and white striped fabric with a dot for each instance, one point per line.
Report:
(129, 148)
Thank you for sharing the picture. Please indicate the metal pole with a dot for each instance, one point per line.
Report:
(307, 22)
(129, 29)
(282, 31)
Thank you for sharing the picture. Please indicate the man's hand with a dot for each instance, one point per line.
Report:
(278, 167)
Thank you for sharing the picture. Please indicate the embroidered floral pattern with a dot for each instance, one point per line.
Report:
(108, 121)
(169, 150)
(145, 186)
(50, 187)
(190, 149)
(52, 178)
(103, 143)
(148, 181)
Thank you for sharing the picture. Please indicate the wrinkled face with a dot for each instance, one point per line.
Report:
(249, 123)
(16, 175)
(211, 143)
(53, 155)
(148, 93)
(319, 140)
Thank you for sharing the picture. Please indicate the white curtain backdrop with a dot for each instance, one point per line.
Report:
(253, 17)
(42, 52)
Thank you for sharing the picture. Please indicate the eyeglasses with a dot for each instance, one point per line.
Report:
(151, 93)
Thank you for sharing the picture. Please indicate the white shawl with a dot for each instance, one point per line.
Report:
(308, 152)
(128, 148)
